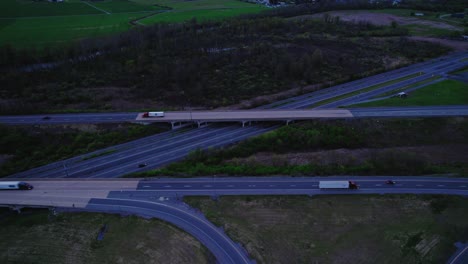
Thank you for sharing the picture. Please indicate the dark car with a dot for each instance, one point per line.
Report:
(390, 182)
(141, 165)
(46, 118)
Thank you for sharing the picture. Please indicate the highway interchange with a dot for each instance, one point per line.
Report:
(159, 150)
(146, 197)
(161, 198)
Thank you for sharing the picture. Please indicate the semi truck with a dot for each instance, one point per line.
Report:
(15, 185)
(337, 185)
(153, 114)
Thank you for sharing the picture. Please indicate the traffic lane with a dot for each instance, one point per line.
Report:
(171, 155)
(225, 250)
(315, 97)
(68, 118)
(136, 153)
(155, 194)
(220, 185)
(460, 256)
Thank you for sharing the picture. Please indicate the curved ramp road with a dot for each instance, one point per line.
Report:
(141, 198)
(225, 250)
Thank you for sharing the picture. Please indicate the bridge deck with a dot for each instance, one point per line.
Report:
(247, 115)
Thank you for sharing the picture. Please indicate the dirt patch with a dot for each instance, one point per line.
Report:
(440, 154)
(383, 19)
(454, 44)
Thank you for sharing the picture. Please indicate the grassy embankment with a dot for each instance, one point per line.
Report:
(357, 147)
(448, 92)
(337, 229)
(38, 237)
(26, 148)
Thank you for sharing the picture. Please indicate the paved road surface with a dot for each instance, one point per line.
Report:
(247, 115)
(146, 198)
(159, 150)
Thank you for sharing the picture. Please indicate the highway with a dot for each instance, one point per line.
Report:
(159, 150)
(161, 198)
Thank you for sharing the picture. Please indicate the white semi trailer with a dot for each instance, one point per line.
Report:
(153, 114)
(337, 185)
(15, 185)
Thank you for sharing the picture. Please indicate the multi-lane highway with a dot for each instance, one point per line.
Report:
(162, 149)
(160, 198)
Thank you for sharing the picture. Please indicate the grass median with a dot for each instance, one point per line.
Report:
(448, 92)
(368, 89)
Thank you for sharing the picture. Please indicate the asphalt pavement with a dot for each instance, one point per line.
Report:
(159, 150)
(160, 198)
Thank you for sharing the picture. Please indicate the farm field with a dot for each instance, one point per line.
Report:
(202, 10)
(24, 23)
(54, 31)
(23, 8)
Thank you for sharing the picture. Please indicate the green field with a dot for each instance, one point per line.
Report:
(23, 8)
(200, 15)
(202, 10)
(447, 92)
(24, 23)
(123, 6)
(54, 31)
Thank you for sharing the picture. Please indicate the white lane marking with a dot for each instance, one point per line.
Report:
(187, 186)
(251, 185)
(292, 185)
(146, 186)
(207, 186)
(463, 186)
(419, 185)
(271, 185)
(167, 186)
(440, 185)
(378, 185)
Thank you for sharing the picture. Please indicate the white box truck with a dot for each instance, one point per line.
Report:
(153, 114)
(337, 185)
(15, 185)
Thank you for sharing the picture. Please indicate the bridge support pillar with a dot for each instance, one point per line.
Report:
(176, 125)
(16, 208)
(289, 121)
(202, 124)
(246, 122)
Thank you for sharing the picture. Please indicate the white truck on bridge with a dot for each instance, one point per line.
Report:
(153, 114)
(337, 185)
(15, 185)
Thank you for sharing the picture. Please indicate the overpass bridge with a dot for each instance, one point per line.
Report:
(180, 118)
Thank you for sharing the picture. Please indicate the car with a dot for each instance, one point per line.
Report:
(141, 165)
(390, 182)
(46, 118)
